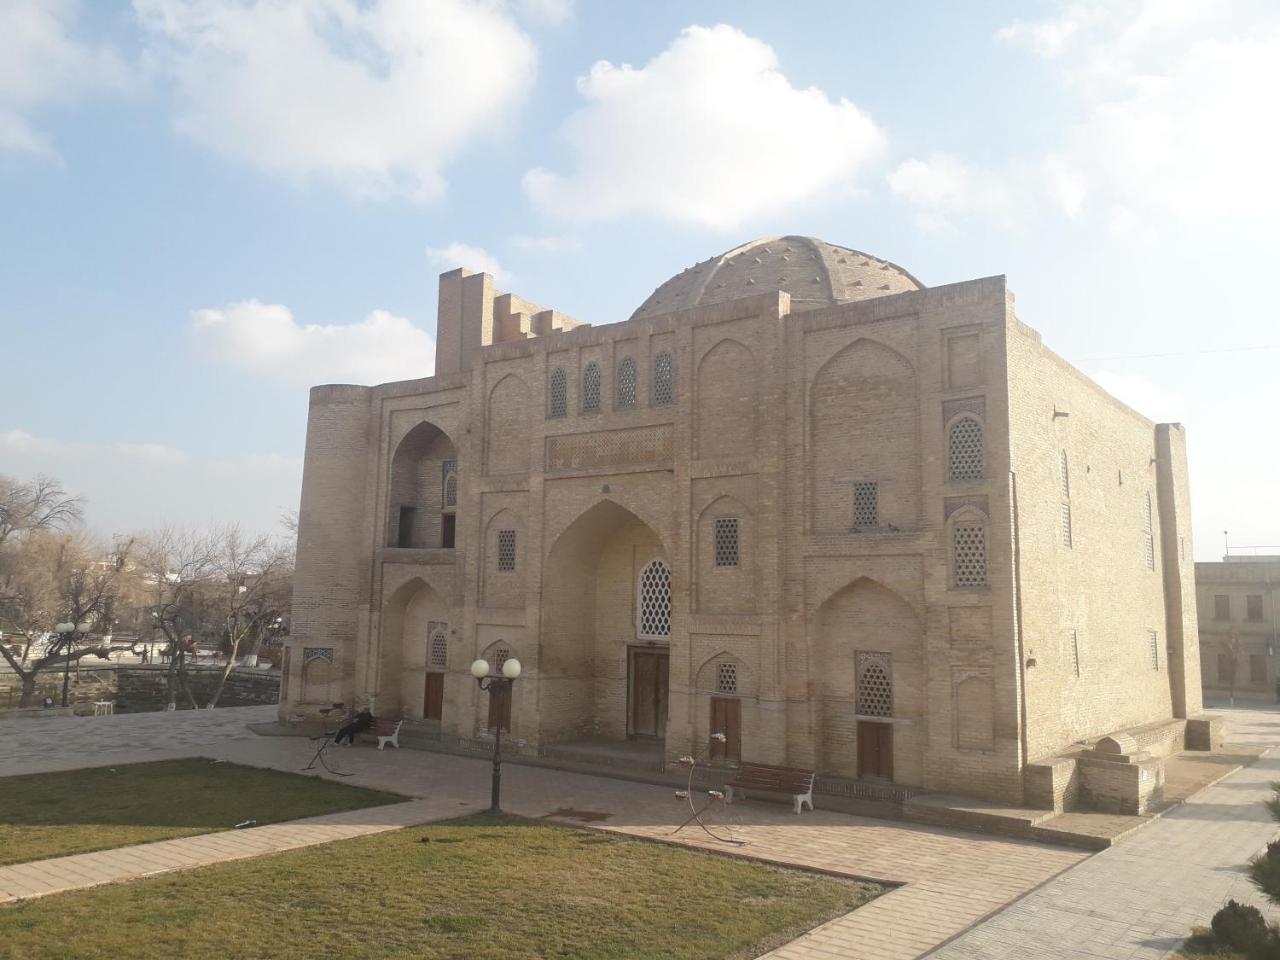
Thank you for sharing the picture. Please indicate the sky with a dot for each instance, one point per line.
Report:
(206, 206)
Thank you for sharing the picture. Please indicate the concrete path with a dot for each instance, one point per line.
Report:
(39, 878)
(42, 744)
(1140, 899)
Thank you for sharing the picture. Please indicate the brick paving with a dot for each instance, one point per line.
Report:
(1135, 900)
(1139, 899)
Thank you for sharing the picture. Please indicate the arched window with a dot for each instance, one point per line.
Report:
(500, 656)
(875, 688)
(591, 388)
(664, 390)
(653, 607)
(727, 678)
(438, 655)
(558, 394)
(627, 379)
(969, 553)
(966, 449)
(449, 496)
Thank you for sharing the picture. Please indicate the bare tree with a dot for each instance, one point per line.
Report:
(37, 505)
(53, 577)
(250, 592)
(177, 567)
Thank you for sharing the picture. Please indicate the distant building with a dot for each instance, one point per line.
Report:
(1239, 597)
(853, 523)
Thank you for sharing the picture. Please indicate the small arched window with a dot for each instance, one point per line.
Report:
(969, 553)
(664, 391)
(439, 650)
(653, 607)
(558, 394)
(627, 379)
(591, 388)
(875, 685)
(966, 449)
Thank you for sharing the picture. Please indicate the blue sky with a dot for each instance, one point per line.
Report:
(208, 206)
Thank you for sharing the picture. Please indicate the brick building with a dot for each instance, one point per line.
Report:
(1239, 597)
(854, 523)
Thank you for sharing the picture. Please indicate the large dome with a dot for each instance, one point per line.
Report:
(815, 273)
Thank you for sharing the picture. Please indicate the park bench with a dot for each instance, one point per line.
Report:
(765, 778)
(387, 731)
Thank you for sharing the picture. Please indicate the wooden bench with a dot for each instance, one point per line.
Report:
(387, 731)
(765, 778)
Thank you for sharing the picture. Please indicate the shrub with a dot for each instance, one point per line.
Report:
(1240, 927)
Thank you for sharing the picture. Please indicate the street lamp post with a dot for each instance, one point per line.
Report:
(67, 633)
(497, 685)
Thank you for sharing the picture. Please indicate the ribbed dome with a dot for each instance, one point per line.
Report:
(815, 273)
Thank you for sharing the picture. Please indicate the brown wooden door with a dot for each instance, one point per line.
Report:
(647, 693)
(433, 697)
(500, 706)
(726, 718)
(875, 750)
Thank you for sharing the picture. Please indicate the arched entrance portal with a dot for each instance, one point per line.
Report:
(606, 630)
(414, 659)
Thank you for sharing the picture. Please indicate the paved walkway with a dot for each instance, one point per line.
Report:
(1135, 900)
(1140, 899)
(39, 878)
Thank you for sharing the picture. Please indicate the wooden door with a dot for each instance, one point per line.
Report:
(500, 706)
(647, 693)
(433, 696)
(726, 718)
(875, 750)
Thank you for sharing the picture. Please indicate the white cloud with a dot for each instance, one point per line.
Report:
(43, 64)
(473, 258)
(709, 132)
(552, 11)
(1149, 399)
(141, 486)
(265, 338)
(1173, 104)
(377, 96)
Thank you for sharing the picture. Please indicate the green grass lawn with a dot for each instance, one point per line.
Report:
(479, 889)
(55, 814)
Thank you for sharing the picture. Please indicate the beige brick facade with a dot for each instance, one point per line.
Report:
(849, 486)
(1239, 603)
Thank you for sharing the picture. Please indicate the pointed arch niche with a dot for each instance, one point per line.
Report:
(726, 579)
(589, 638)
(507, 449)
(409, 617)
(728, 394)
(867, 622)
(864, 427)
(416, 497)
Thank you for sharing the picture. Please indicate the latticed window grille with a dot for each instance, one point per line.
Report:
(500, 656)
(1066, 524)
(506, 550)
(449, 483)
(627, 379)
(727, 678)
(664, 390)
(558, 394)
(591, 388)
(726, 541)
(875, 687)
(1153, 640)
(1064, 475)
(1149, 539)
(1075, 654)
(866, 503)
(969, 554)
(438, 655)
(966, 449)
(654, 620)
